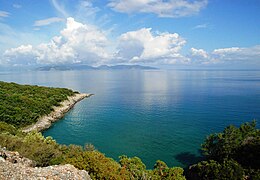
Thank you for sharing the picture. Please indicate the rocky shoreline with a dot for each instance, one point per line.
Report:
(58, 112)
(14, 166)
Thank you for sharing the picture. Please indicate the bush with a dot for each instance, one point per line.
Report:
(162, 171)
(135, 167)
(205, 170)
(234, 152)
(43, 151)
(7, 128)
(233, 142)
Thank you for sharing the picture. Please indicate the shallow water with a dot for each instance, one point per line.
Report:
(150, 114)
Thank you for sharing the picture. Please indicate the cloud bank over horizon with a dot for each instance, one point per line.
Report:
(87, 44)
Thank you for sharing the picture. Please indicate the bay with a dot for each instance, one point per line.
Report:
(151, 114)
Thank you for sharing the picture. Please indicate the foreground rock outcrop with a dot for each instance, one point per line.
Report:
(13, 166)
(58, 112)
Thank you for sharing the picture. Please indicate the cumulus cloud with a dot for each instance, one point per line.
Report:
(4, 14)
(48, 21)
(144, 46)
(226, 55)
(168, 8)
(199, 56)
(238, 53)
(22, 55)
(199, 53)
(87, 44)
(77, 43)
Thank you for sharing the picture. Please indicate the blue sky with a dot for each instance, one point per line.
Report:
(170, 33)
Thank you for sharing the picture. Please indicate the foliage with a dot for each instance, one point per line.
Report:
(33, 146)
(135, 167)
(45, 151)
(7, 128)
(232, 154)
(89, 147)
(22, 105)
(137, 170)
(229, 169)
(241, 144)
(226, 144)
(97, 165)
(162, 171)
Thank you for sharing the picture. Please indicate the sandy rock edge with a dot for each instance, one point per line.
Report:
(46, 121)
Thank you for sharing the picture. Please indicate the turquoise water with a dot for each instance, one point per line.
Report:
(150, 114)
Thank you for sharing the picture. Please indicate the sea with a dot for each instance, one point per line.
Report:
(152, 114)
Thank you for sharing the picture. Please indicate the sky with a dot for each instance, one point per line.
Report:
(159, 33)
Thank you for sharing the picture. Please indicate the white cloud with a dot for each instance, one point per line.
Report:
(22, 55)
(85, 9)
(17, 6)
(144, 46)
(199, 53)
(60, 8)
(48, 21)
(162, 8)
(238, 53)
(226, 55)
(77, 43)
(23, 49)
(199, 56)
(4, 14)
(200, 26)
(85, 43)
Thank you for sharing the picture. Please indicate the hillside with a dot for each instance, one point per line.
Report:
(22, 105)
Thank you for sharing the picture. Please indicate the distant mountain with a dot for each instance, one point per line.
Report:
(124, 67)
(64, 67)
(86, 67)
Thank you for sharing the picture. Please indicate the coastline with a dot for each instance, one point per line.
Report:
(46, 121)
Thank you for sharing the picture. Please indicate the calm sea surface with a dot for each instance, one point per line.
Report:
(150, 114)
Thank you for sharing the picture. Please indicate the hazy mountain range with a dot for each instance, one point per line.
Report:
(87, 67)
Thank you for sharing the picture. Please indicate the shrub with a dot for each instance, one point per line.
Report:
(7, 128)
(205, 170)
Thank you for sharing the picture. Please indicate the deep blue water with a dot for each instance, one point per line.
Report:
(150, 114)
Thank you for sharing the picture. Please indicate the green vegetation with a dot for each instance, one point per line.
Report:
(22, 105)
(45, 151)
(232, 154)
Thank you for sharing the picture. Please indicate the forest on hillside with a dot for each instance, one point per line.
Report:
(22, 105)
